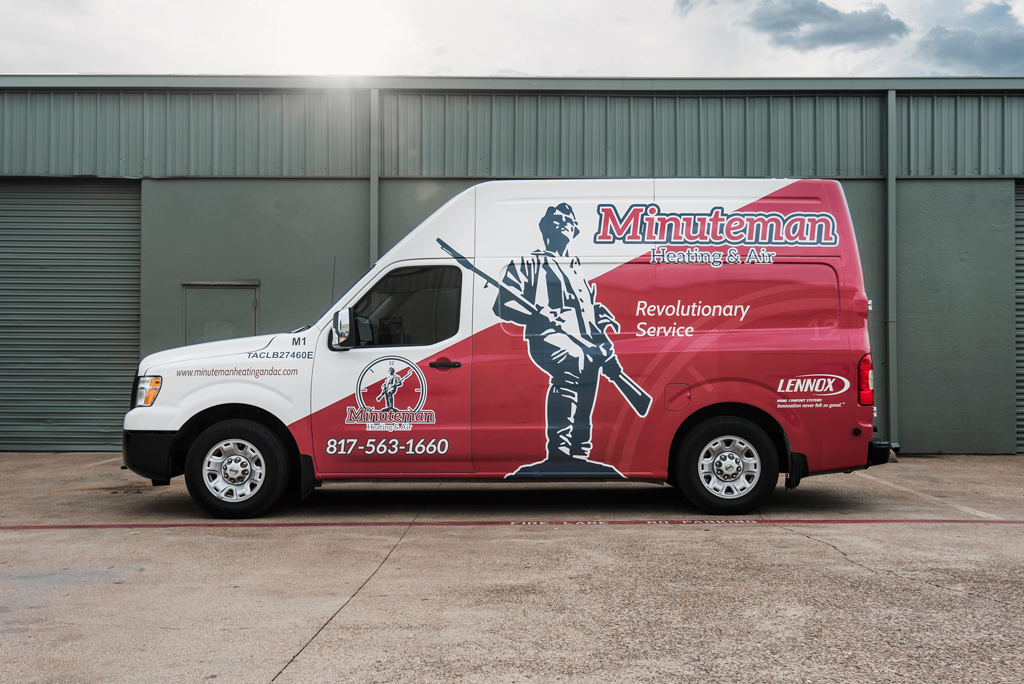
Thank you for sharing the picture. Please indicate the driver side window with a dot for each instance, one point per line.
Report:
(416, 305)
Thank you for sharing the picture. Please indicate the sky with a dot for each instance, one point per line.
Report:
(547, 38)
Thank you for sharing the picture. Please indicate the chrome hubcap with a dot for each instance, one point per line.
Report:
(233, 470)
(729, 467)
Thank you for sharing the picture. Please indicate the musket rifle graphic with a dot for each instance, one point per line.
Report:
(401, 378)
(633, 393)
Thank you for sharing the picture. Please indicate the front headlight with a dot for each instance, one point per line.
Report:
(146, 390)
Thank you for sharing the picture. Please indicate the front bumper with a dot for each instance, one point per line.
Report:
(878, 452)
(148, 453)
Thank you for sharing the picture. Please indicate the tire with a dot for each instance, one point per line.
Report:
(236, 469)
(727, 465)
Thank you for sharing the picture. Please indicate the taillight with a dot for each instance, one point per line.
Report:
(865, 383)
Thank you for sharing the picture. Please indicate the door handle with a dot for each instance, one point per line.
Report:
(446, 364)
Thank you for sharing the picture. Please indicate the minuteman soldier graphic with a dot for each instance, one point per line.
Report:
(390, 387)
(547, 294)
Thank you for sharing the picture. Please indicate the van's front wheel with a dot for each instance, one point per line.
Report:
(727, 465)
(236, 469)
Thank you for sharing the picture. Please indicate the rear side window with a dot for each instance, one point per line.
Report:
(411, 306)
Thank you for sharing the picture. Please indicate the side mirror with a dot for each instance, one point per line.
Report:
(343, 335)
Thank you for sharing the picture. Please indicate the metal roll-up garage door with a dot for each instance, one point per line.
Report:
(70, 256)
(1018, 223)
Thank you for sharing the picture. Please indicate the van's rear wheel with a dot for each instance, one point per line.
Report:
(236, 469)
(727, 465)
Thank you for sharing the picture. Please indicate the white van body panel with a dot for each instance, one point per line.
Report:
(272, 374)
(206, 350)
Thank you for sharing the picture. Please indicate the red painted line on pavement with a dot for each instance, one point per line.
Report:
(509, 523)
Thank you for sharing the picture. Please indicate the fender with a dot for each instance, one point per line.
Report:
(805, 436)
(174, 414)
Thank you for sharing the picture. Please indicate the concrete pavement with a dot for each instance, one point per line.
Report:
(423, 582)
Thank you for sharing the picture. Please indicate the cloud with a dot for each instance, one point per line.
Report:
(994, 15)
(989, 41)
(810, 24)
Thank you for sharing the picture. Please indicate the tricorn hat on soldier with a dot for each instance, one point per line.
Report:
(556, 216)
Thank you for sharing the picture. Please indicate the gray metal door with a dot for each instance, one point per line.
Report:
(1019, 304)
(70, 254)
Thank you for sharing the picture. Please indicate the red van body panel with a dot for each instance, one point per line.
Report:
(783, 337)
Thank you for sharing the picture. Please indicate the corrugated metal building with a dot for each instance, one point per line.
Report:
(140, 213)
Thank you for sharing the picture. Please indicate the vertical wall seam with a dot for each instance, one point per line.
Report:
(122, 143)
(494, 135)
(862, 163)
(536, 136)
(1002, 151)
(746, 137)
(52, 161)
(654, 143)
(890, 274)
(374, 174)
(700, 137)
(584, 139)
(5, 139)
(190, 121)
(563, 153)
(167, 129)
(239, 165)
(607, 134)
(215, 135)
(516, 135)
(721, 139)
(75, 139)
(957, 138)
(470, 131)
(146, 132)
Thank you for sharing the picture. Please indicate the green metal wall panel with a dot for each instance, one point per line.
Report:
(955, 265)
(305, 241)
(133, 134)
(69, 312)
(733, 133)
(641, 137)
(780, 130)
(826, 118)
(504, 140)
(525, 127)
(960, 135)
(479, 133)
(549, 136)
(758, 137)
(595, 125)
(158, 134)
(595, 135)
(1018, 222)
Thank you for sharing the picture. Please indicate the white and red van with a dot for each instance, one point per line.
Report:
(706, 333)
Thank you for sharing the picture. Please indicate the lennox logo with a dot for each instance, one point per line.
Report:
(819, 384)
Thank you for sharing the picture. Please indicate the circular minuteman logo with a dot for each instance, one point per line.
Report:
(391, 383)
